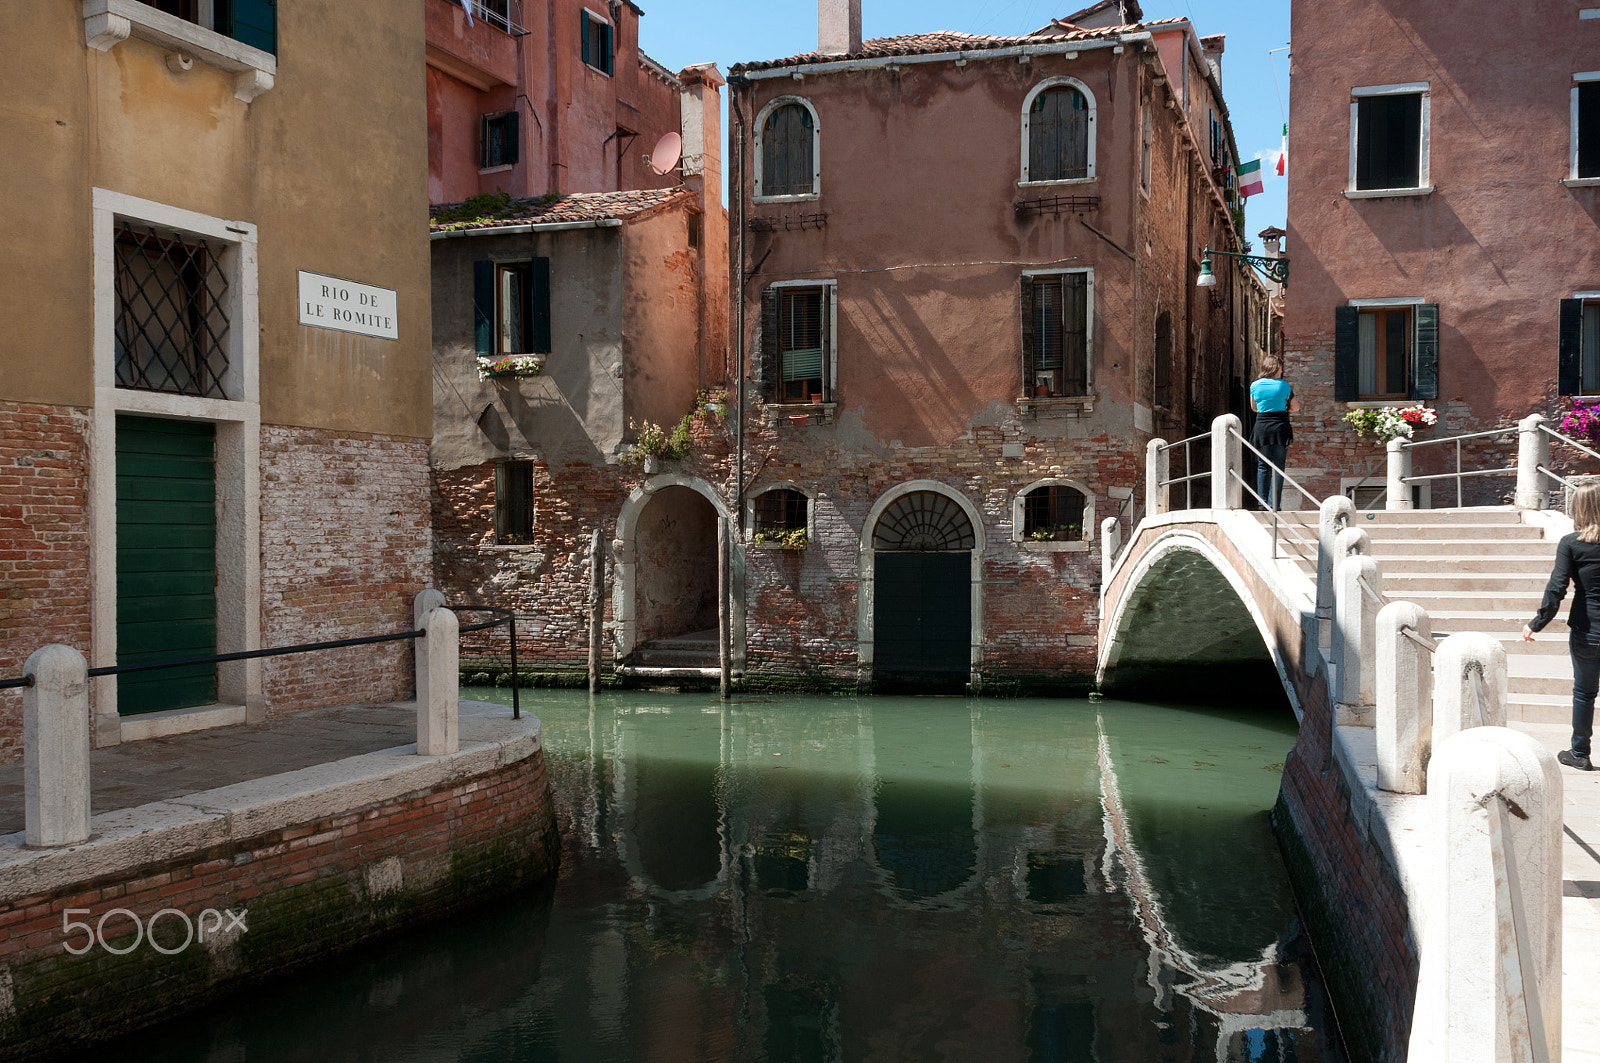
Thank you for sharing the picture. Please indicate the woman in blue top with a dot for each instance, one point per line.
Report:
(1273, 400)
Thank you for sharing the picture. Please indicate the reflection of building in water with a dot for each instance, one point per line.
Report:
(820, 880)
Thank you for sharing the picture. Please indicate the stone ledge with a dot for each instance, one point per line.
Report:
(180, 721)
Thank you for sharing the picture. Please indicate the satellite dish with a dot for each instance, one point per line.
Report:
(669, 149)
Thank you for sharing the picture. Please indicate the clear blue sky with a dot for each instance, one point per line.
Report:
(679, 32)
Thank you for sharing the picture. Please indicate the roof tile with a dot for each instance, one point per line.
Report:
(575, 207)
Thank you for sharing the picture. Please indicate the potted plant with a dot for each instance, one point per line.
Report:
(1383, 423)
(783, 538)
(511, 366)
(1582, 423)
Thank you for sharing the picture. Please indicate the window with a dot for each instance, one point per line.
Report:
(1586, 127)
(513, 503)
(1216, 139)
(796, 343)
(1579, 359)
(787, 150)
(1052, 514)
(781, 516)
(499, 139)
(501, 13)
(1389, 138)
(512, 307)
(1386, 350)
(252, 22)
(596, 41)
(1055, 333)
(1058, 132)
(172, 304)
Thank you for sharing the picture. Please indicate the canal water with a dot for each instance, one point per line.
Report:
(830, 879)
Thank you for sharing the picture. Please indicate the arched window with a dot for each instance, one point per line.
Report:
(1054, 511)
(786, 149)
(924, 520)
(1058, 121)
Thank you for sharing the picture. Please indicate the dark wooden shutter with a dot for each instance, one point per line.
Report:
(1569, 376)
(826, 301)
(771, 353)
(539, 306)
(485, 136)
(1346, 353)
(1588, 129)
(255, 22)
(1425, 370)
(483, 307)
(1027, 335)
(510, 139)
(605, 46)
(583, 29)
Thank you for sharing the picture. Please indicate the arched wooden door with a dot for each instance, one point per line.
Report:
(922, 595)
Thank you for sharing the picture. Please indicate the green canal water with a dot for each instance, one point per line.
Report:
(830, 879)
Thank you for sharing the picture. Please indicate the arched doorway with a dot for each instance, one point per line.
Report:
(676, 557)
(922, 545)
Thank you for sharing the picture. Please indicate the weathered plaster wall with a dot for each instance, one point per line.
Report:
(661, 304)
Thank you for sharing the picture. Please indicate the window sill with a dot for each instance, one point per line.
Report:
(502, 168)
(506, 548)
(1073, 546)
(1386, 193)
(798, 197)
(1085, 403)
(817, 412)
(773, 546)
(107, 23)
(1582, 182)
(1382, 404)
(1063, 181)
(597, 70)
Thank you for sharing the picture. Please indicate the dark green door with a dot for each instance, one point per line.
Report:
(922, 618)
(166, 561)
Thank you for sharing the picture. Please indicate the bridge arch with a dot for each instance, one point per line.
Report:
(1185, 606)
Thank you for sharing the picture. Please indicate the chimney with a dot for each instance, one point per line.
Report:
(838, 27)
(700, 117)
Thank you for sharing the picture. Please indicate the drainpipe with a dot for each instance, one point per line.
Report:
(735, 84)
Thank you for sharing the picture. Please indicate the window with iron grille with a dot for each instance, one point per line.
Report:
(788, 155)
(172, 312)
(500, 140)
(782, 509)
(1053, 514)
(1055, 334)
(513, 503)
(1058, 136)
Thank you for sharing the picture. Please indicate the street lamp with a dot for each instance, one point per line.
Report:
(1274, 269)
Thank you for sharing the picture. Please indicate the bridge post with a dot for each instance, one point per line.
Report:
(1469, 684)
(1533, 450)
(1227, 454)
(1110, 546)
(1399, 492)
(1489, 988)
(1355, 625)
(1405, 697)
(1157, 471)
(1351, 542)
(1336, 513)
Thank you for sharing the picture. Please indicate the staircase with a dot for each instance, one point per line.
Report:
(1472, 570)
(688, 657)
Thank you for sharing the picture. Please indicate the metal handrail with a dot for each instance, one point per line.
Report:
(1458, 475)
(1511, 430)
(1416, 636)
(1373, 592)
(1568, 440)
(1309, 497)
(1188, 465)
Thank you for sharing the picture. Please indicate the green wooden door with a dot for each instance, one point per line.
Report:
(922, 618)
(166, 561)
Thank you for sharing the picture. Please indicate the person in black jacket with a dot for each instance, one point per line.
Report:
(1578, 563)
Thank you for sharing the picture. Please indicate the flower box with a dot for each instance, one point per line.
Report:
(1383, 423)
(510, 366)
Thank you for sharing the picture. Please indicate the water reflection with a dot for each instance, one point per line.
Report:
(842, 879)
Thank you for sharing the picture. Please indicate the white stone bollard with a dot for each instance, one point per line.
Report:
(1227, 463)
(1157, 470)
(1334, 516)
(1495, 815)
(1355, 625)
(438, 685)
(55, 747)
(1398, 495)
(1110, 544)
(1350, 542)
(1533, 450)
(1455, 703)
(1404, 683)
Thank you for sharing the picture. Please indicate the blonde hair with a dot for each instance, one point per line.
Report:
(1271, 366)
(1585, 512)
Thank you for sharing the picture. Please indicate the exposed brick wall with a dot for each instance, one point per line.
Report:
(344, 549)
(310, 890)
(44, 543)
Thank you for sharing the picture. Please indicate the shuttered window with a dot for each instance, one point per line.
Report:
(500, 139)
(1389, 141)
(796, 338)
(511, 307)
(1058, 136)
(788, 157)
(1386, 352)
(1056, 334)
(1579, 359)
(595, 41)
(1586, 129)
(251, 22)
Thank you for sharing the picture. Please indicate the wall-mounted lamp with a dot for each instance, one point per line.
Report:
(1274, 269)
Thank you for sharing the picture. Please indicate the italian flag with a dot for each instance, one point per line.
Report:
(1250, 178)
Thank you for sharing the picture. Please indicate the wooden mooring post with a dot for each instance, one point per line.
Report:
(597, 607)
(722, 609)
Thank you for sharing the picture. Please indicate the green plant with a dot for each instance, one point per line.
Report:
(789, 538)
(1041, 535)
(656, 441)
(1383, 423)
(485, 206)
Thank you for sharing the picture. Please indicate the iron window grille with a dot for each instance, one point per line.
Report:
(1053, 511)
(780, 510)
(513, 503)
(172, 312)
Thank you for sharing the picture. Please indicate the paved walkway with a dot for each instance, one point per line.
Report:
(157, 769)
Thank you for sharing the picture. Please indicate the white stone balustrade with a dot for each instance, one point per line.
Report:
(1460, 660)
(1355, 620)
(1404, 687)
(1533, 450)
(1110, 546)
(1227, 461)
(55, 747)
(1334, 516)
(438, 678)
(1398, 495)
(1351, 542)
(1157, 470)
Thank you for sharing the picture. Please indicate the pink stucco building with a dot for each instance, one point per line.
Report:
(1443, 198)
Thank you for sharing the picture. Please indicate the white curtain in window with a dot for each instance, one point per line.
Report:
(1589, 374)
(1369, 355)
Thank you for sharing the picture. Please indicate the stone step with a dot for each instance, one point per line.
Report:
(1495, 622)
(1447, 601)
(1544, 549)
(1502, 516)
(1380, 533)
(1409, 563)
(1540, 708)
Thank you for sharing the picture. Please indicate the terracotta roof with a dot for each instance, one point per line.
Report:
(942, 41)
(1133, 9)
(578, 206)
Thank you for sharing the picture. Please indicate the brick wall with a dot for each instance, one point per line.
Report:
(344, 549)
(309, 891)
(44, 543)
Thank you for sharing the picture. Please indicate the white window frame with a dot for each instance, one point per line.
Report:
(1573, 180)
(1413, 88)
(1059, 82)
(816, 150)
(238, 478)
(1089, 324)
(830, 292)
(782, 485)
(107, 23)
(1019, 516)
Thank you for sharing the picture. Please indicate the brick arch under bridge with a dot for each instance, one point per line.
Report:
(1196, 599)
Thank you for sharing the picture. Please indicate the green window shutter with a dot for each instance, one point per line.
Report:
(1346, 353)
(830, 294)
(583, 24)
(511, 145)
(483, 307)
(1027, 336)
(1425, 369)
(1568, 374)
(771, 352)
(484, 134)
(605, 47)
(539, 299)
(255, 22)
